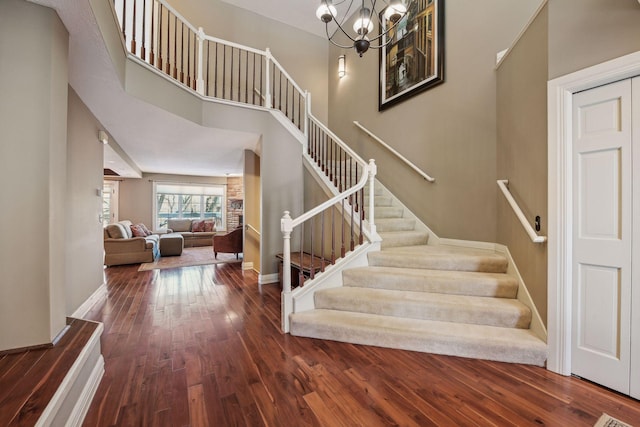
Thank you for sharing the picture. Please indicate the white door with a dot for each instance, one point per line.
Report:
(602, 204)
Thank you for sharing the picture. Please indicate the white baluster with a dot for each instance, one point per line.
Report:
(200, 76)
(267, 98)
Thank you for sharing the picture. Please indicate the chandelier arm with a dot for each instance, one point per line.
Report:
(378, 37)
(337, 44)
(339, 27)
(335, 18)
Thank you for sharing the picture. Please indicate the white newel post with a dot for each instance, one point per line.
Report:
(286, 299)
(267, 95)
(200, 76)
(373, 170)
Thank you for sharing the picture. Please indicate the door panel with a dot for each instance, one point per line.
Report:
(601, 289)
(599, 297)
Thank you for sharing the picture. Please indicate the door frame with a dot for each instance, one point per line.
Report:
(559, 250)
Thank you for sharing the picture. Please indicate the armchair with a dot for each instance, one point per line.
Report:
(228, 243)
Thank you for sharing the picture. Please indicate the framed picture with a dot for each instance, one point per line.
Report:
(413, 59)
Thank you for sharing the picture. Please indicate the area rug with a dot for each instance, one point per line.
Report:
(190, 256)
(608, 421)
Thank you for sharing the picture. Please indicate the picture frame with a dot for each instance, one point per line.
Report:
(413, 59)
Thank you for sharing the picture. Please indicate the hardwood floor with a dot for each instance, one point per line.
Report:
(29, 379)
(202, 346)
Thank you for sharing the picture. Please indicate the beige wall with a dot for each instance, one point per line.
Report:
(522, 152)
(252, 204)
(84, 179)
(448, 131)
(136, 195)
(587, 32)
(33, 150)
(303, 56)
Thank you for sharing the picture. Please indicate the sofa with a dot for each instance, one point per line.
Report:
(195, 232)
(122, 247)
(228, 243)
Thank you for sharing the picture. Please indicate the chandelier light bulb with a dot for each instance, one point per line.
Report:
(326, 11)
(395, 11)
(363, 24)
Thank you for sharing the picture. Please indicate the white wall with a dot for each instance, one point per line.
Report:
(84, 273)
(33, 151)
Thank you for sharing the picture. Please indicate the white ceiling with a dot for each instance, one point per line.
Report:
(297, 13)
(155, 140)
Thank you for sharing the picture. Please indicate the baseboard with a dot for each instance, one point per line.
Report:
(71, 401)
(86, 397)
(537, 325)
(99, 295)
(265, 279)
(407, 213)
(247, 266)
(470, 244)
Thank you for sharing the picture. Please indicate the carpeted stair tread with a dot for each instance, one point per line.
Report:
(395, 224)
(504, 312)
(388, 212)
(437, 258)
(403, 238)
(379, 201)
(497, 285)
(457, 339)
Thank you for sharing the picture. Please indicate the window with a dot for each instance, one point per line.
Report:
(189, 201)
(109, 202)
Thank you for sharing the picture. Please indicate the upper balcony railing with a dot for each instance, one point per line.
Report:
(156, 34)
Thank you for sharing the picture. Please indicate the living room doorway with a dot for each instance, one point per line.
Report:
(109, 202)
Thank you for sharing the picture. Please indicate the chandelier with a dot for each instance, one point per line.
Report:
(394, 10)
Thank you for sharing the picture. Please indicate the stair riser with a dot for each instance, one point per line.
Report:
(379, 200)
(396, 224)
(388, 212)
(425, 310)
(390, 241)
(415, 283)
(404, 260)
(426, 343)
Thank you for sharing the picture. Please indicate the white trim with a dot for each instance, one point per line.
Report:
(247, 265)
(82, 405)
(265, 279)
(81, 408)
(537, 325)
(507, 51)
(559, 106)
(97, 296)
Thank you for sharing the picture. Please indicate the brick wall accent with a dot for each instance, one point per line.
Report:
(235, 201)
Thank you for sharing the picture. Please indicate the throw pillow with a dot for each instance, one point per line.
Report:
(116, 231)
(209, 227)
(197, 226)
(145, 229)
(137, 231)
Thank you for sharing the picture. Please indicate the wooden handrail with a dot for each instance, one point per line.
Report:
(252, 228)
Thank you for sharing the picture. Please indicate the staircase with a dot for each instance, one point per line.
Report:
(414, 294)
(429, 298)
